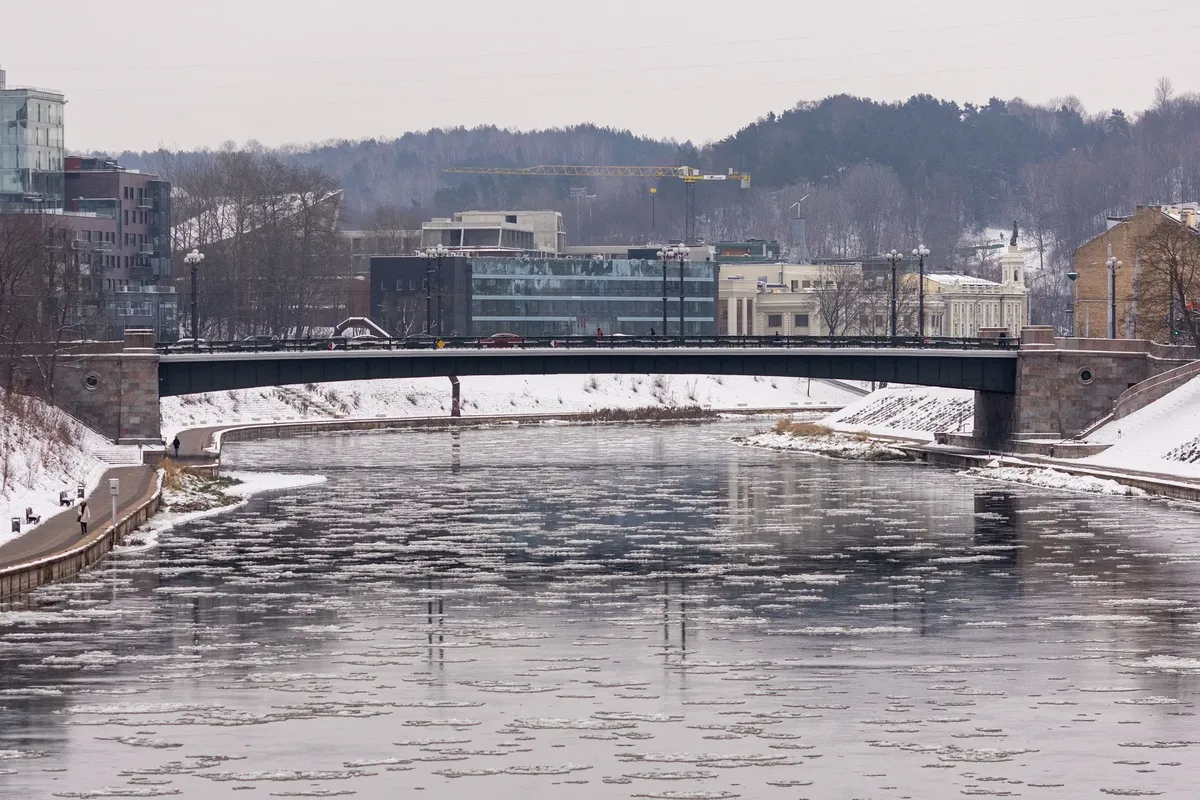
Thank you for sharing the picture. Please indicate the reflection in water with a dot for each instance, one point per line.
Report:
(605, 612)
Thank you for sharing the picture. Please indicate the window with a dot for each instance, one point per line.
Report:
(795, 286)
(511, 218)
(801, 321)
(774, 320)
(806, 284)
(127, 216)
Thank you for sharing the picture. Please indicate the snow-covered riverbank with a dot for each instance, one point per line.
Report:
(498, 395)
(42, 452)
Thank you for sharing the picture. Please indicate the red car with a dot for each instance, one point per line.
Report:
(501, 340)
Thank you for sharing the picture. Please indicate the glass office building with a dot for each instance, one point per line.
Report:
(558, 297)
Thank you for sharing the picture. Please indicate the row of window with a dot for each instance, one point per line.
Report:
(798, 320)
(137, 217)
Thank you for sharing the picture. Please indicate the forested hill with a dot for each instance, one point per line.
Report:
(877, 174)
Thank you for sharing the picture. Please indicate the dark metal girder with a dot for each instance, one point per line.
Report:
(964, 371)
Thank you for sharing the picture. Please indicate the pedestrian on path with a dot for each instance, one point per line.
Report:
(175, 444)
(84, 515)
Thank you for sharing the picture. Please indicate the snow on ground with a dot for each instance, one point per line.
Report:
(1052, 479)
(836, 445)
(42, 452)
(912, 412)
(491, 395)
(1162, 437)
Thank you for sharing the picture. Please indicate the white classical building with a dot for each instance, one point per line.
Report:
(787, 299)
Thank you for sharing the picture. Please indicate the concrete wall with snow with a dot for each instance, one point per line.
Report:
(490, 395)
(914, 412)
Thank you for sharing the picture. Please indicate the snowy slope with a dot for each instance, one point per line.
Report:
(487, 395)
(1162, 437)
(915, 412)
(42, 452)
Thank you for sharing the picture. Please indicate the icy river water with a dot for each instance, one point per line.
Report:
(617, 612)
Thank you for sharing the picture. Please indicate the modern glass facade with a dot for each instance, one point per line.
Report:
(559, 297)
(31, 150)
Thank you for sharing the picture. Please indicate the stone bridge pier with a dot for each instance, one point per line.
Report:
(1065, 385)
(114, 393)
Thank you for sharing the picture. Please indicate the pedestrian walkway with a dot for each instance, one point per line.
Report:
(61, 531)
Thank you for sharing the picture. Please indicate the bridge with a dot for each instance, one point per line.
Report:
(968, 364)
(1038, 386)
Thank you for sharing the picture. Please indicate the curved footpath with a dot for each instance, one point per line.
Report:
(54, 549)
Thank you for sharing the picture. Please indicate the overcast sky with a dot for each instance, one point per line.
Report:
(189, 74)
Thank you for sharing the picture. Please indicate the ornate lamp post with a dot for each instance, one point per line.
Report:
(894, 258)
(194, 259)
(682, 254)
(920, 252)
(1113, 265)
(435, 253)
(666, 254)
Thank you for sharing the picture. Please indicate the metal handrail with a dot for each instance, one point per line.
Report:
(423, 342)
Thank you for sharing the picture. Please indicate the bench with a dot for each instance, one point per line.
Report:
(30, 517)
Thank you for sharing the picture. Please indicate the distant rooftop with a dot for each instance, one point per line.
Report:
(960, 280)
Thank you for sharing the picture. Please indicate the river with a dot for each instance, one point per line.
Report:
(617, 612)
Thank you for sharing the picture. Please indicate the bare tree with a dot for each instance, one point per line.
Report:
(1168, 282)
(840, 297)
(395, 231)
(39, 300)
(275, 260)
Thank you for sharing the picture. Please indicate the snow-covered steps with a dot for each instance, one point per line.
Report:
(117, 456)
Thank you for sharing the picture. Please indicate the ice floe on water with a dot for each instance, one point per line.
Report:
(560, 611)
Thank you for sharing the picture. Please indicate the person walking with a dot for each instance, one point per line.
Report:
(84, 515)
(652, 331)
(175, 444)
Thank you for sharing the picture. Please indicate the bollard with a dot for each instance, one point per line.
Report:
(16, 524)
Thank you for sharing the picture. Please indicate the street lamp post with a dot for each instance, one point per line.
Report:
(193, 260)
(1072, 276)
(437, 252)
(894, 258)
(682, 253)
(1113, 265)
(666, 254)
(920, 252)
(441, 251)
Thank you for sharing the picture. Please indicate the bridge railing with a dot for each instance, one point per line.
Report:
(615, 341)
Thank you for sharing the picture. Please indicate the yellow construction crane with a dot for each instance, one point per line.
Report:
(689, 175)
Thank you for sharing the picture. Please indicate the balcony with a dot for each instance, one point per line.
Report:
(146, 249)
(145, 202)
(81, 245)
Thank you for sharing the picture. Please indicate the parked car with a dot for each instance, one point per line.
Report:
(192, 343)
(420, 341)
(260, 341)
(502, 340)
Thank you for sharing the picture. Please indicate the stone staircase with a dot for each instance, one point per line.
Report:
(317, 408)
(119, 456)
